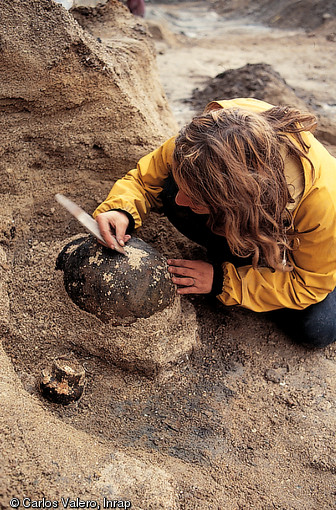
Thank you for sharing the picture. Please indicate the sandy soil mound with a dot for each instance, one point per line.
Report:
(72, 108)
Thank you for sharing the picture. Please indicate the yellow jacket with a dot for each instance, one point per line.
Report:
(314, 261)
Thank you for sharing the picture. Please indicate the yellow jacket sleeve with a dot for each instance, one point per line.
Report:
(138, 192)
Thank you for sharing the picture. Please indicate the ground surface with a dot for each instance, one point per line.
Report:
(248, 421)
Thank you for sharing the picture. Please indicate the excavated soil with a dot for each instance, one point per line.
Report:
(248, 419)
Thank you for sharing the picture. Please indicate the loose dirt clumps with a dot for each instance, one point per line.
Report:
(260, 81)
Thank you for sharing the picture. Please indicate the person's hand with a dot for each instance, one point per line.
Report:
(194, 276)
(113, 222)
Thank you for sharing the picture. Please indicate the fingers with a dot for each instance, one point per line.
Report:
(185, 279)
(188, 282)
(105, 230)
(113, 221)
(188, 290)
(183, 271)
(120, 229)
(182, 267)
(191, 264)
(191, 276)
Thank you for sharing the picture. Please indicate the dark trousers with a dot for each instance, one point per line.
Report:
(315, 326)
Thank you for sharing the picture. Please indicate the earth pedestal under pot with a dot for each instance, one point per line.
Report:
(144, 326)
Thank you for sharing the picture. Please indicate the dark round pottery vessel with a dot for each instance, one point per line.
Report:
(116, 287)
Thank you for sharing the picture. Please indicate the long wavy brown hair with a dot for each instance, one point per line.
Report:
(230, 161)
